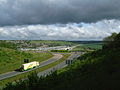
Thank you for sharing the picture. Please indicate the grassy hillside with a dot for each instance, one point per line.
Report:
(11, 59)
(88, 47)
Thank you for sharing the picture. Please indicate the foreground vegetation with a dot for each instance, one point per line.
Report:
(97, 70)
(88, 47)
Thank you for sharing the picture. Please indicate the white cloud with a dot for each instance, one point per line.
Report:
(70, 31)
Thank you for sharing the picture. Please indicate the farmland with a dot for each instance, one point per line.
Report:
(88, 47)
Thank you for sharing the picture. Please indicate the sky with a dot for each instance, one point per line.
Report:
(58, 19)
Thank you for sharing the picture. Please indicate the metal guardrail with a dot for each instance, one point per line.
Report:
(71, 59)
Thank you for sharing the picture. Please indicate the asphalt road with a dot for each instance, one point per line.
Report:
(45, 72)
(48, 48)
(59, 66)
(48, 71)
(14, 73)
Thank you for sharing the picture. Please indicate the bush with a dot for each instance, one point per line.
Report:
(112, 42)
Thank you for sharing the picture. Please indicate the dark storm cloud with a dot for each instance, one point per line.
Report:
(57, 11)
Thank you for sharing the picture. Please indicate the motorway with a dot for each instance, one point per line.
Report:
(48, 48)
(14, 73)
(60, 65)
(45, 72)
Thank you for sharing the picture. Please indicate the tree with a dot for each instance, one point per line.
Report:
(112, 41)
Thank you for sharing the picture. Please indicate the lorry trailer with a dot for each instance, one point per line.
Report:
(28, 66)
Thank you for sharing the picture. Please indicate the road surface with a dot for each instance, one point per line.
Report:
(14, 73)
(45, 72)
(60, 65)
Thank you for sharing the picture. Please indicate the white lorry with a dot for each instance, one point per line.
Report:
(28, 66)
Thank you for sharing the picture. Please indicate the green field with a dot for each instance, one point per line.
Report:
(11, 59)
(88, 47)
(92, 46)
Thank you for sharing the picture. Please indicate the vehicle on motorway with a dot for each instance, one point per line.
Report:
(28, 66)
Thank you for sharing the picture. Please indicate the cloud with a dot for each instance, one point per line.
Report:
(20, 12)
(70, 31)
